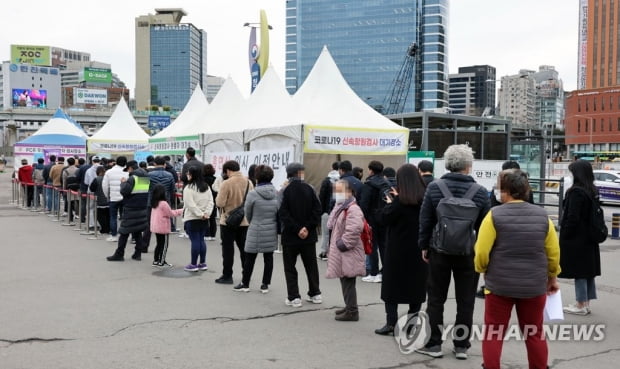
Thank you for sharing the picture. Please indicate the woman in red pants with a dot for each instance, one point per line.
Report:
(519, 253)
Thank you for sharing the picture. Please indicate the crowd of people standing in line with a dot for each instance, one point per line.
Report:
(515, 245)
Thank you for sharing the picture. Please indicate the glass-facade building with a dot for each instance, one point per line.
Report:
(369, 40)
(178, 63)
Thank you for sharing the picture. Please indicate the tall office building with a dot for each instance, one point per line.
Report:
(369, 42)
(171, 59)
(472, 91)
(599, 49)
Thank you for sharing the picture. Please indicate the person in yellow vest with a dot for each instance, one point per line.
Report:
(134, 221)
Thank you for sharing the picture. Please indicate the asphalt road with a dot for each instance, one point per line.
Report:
(62, 305)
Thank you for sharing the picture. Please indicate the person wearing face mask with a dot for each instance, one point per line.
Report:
(346, 258)
(521, 269)
(495, 201)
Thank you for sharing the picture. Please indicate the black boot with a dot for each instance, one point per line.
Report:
(386, 330)
(348, 316)
(136, 256)
(116, 257)
(340, 311)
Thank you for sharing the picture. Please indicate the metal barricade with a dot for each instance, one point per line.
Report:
(542, 184)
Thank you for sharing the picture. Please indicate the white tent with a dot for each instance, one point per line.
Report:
(58, 136)
(331, 119)
(121, 134)
(272, 120)
(178, 136)
(224, 128)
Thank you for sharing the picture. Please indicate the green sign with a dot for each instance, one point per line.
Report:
(415, 157)
(97, 75)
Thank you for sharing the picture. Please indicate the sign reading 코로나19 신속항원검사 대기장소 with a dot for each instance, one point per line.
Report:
(355, 141)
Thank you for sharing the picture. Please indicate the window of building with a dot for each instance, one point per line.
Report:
(579, 105)
(610, 126)
(593, 125)
(587, 105)
(618, 123)
(594, 105)
(579, 125)
(587, 126)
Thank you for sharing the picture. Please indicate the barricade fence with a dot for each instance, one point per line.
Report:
(53, 200)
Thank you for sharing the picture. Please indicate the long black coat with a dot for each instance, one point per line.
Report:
(580, 256)
(300, 207)
(404, 271)
(135, 206)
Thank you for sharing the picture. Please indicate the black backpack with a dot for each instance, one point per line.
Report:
(455, 232)
(597, 227)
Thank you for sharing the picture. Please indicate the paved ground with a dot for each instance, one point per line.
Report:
(63, 306)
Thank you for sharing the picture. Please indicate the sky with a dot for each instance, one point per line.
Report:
(509, 35)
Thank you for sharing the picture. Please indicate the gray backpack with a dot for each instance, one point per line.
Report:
(455, 233)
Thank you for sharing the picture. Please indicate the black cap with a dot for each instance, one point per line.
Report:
(131, 164)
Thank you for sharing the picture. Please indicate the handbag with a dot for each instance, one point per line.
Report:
(236, 215)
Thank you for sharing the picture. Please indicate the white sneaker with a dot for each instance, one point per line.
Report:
(378, 278)
(295, 303)
(369, 278)
(112, 239)
(316, 299)
(573, 309)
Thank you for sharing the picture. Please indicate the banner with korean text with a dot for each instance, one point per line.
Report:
(360, 141)
(277, 159)
(117, 147)
(173, 145)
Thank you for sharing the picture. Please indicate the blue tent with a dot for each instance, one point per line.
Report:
(59, 134)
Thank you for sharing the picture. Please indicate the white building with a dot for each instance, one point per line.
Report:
(29, 86)
(214, 83)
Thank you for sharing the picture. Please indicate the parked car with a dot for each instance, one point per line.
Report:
(608, 184)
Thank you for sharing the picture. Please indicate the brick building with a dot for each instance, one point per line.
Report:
(592, 120)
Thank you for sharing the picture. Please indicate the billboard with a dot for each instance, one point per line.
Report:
(90, 96)
(30, 54)
(158, 121)
(97, 75)
(583, 45)
(25, 97)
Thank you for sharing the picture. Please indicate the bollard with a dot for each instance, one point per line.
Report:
(69, 199)
(79, 222)
(615, 226)
(96, 229)
(86, 229)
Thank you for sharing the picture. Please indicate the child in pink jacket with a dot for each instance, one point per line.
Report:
(160, 224)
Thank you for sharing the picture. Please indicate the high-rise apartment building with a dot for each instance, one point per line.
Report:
(472, 90)
(171, 59)
(533, 99)
(517, 99)
(599, 48)
(369, 42)
(214, 83)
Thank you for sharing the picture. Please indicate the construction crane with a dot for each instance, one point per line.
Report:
(394, 102)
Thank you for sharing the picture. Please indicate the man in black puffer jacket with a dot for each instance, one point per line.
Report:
(372, 201)
(135, 191)
(300, 213)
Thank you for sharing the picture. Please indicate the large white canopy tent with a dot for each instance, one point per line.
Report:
(224, 128)
(58, 136)
(178, 136)
(332, 123)
(121, 134)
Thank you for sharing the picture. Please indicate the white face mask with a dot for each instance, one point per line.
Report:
(339, 197)
(498, 195)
